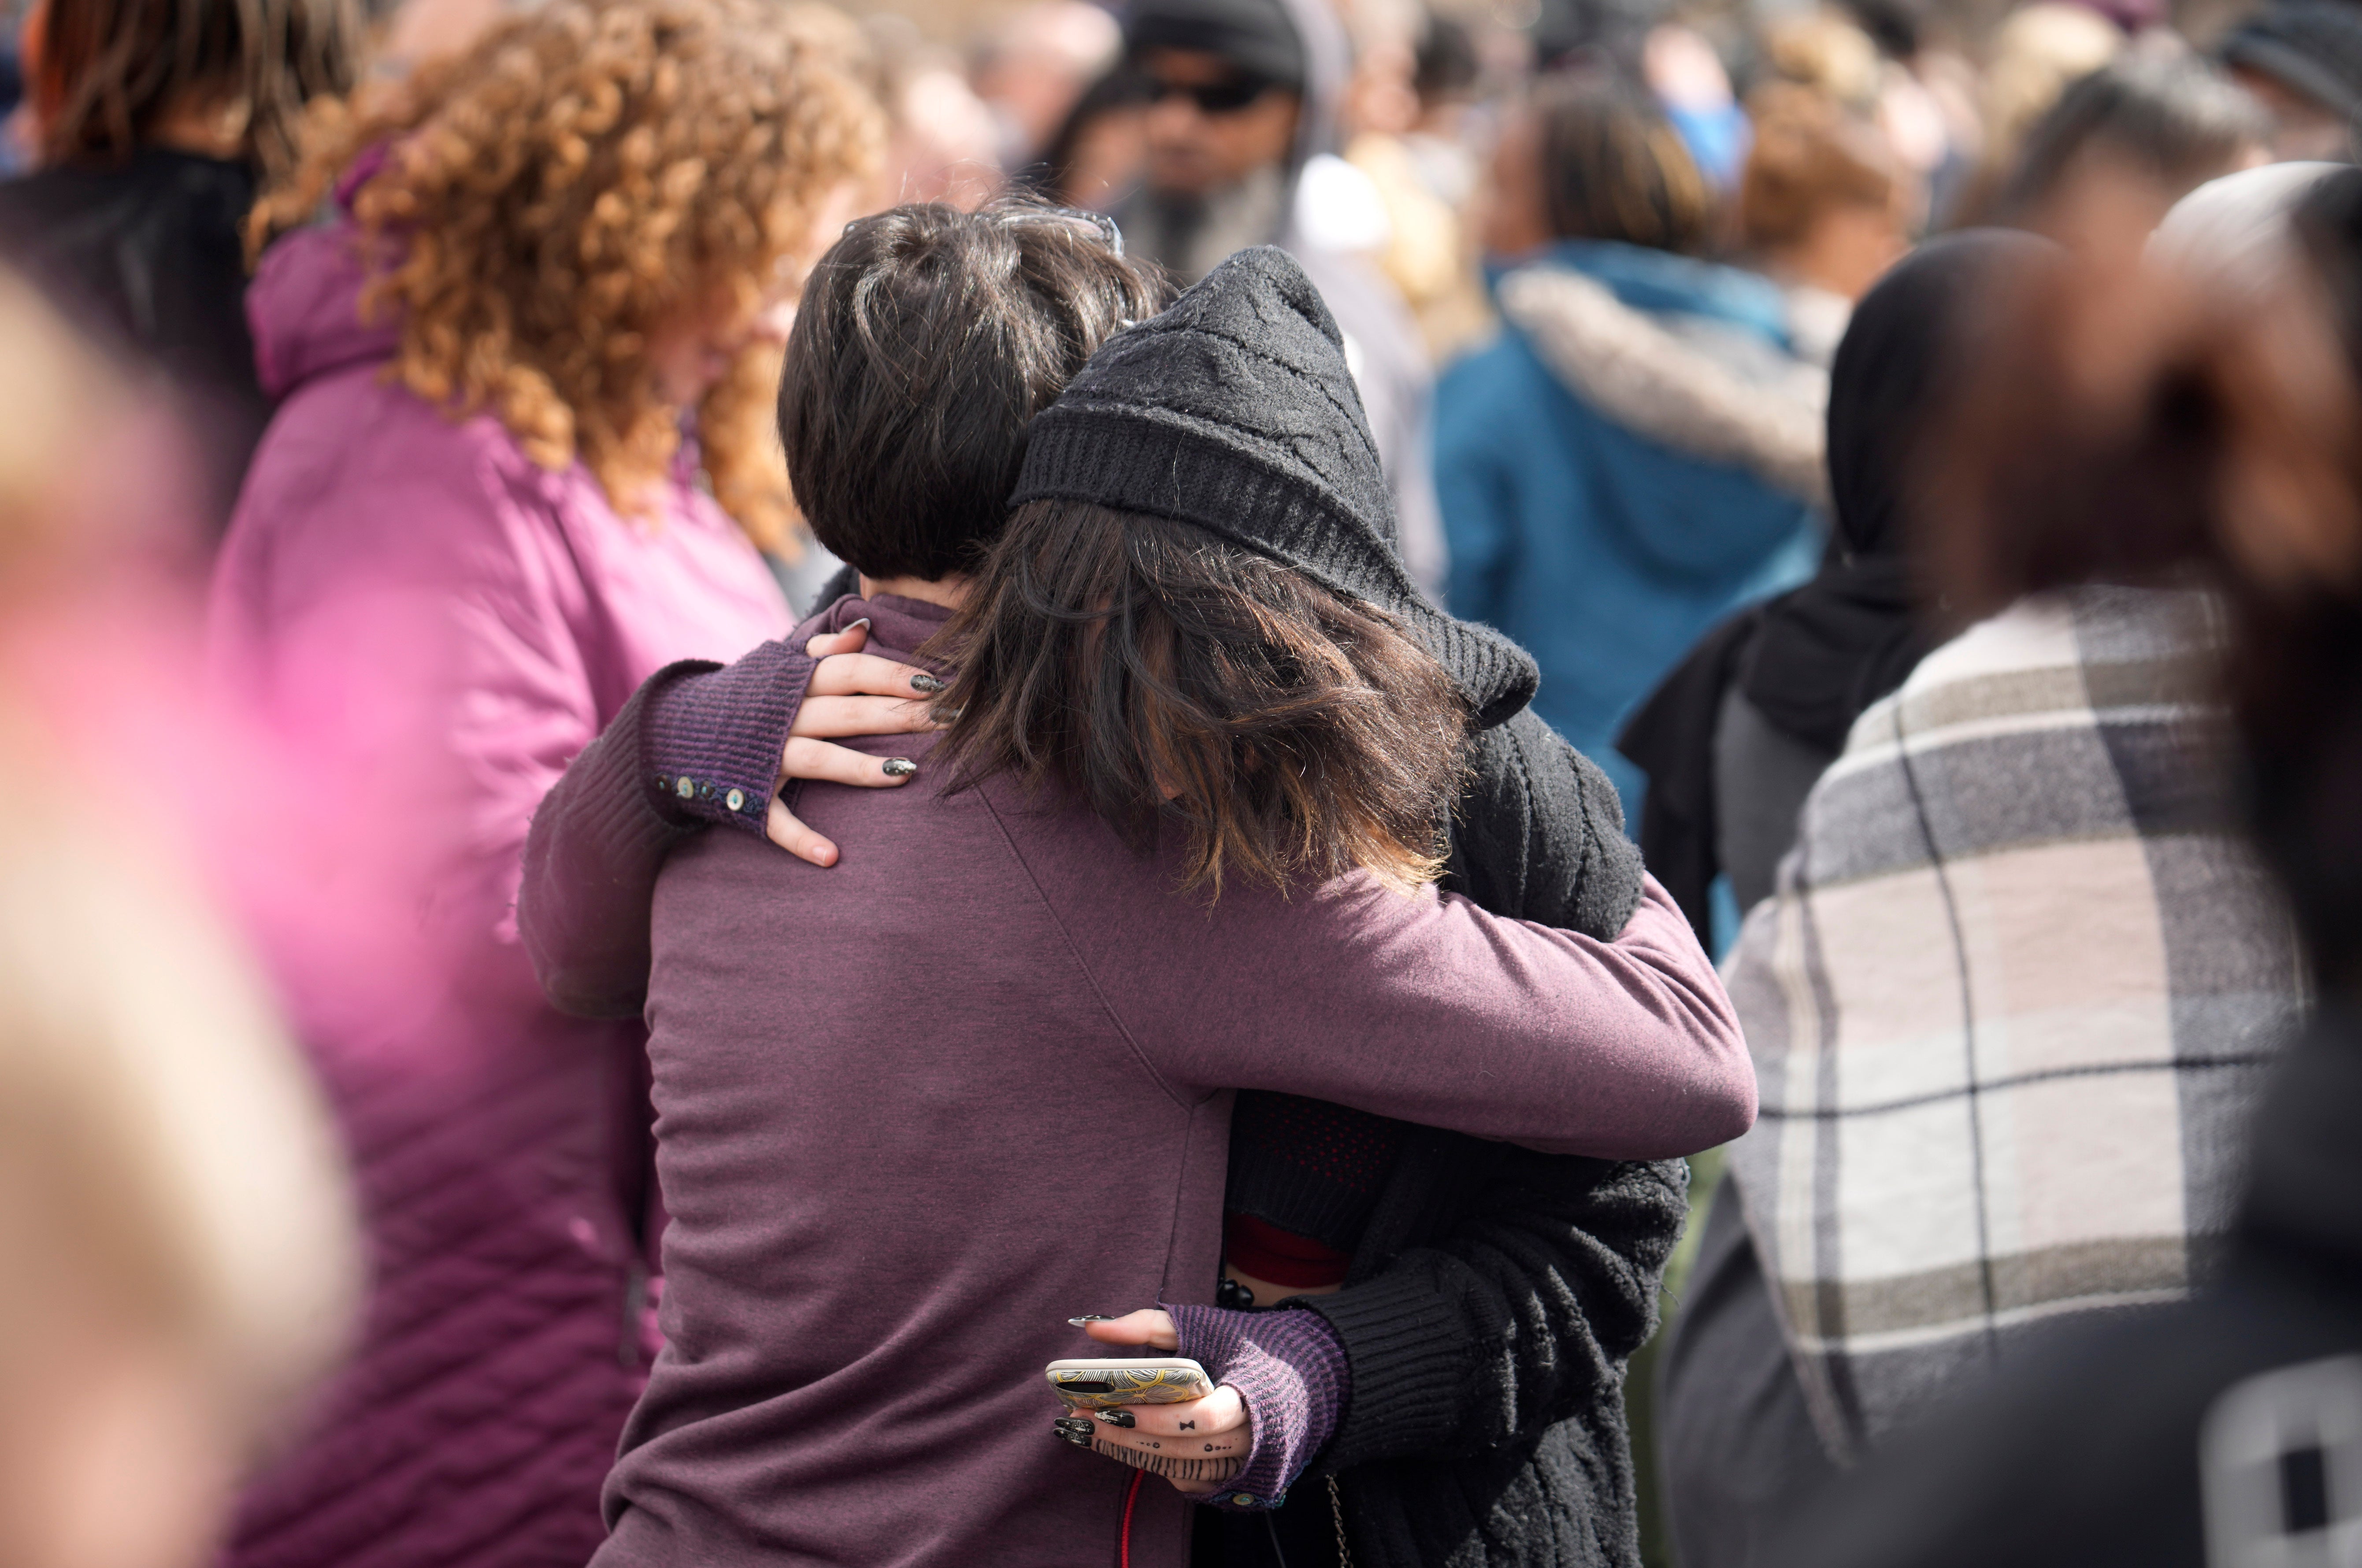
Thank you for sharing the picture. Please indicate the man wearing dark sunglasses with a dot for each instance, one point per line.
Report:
(1242, 136)
(1226, 84)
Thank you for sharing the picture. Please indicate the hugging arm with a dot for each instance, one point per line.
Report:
(698, 745)
(1531, 1301)
(601, 834)
(1424, 1008)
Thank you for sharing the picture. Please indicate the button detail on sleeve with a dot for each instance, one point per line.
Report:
(685, 787)
(735, 800)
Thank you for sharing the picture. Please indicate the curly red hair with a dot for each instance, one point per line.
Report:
(587, 173)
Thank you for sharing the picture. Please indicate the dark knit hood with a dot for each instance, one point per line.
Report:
(1234, 410)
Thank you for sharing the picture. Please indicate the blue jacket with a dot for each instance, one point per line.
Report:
(1606, 549)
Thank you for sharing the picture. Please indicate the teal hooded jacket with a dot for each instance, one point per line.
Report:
(1636, 454)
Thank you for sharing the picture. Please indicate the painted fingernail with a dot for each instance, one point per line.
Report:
(857, 625)
(898, 767)
(1091, 1318)
(923, 682)
(1118, 1418)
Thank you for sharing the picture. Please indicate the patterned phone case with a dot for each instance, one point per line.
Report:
(1099, 1384)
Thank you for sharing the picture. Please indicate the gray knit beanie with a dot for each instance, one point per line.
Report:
(1233, 411)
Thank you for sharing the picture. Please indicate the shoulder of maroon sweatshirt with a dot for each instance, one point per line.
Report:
(1085, 870)
(1208, 987)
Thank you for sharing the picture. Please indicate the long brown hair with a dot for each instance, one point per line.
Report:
(1613, 167)
(106, 72)
(1169, 678)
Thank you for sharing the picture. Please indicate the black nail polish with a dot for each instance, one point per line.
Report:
(898, 767)
(1091, 1318)
(1119, 1418)
(923, 682)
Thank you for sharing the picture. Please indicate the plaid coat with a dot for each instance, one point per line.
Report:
(2009, 1007)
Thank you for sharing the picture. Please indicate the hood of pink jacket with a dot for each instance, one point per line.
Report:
(305, 307)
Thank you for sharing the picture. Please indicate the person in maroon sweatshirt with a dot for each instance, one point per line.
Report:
(1490, 1230)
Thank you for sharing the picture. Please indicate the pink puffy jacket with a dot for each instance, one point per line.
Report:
(459, 619)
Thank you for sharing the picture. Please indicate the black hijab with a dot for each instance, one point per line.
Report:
(1852, 634)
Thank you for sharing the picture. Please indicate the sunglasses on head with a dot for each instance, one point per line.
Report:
(1099, 224)
(1212, 98)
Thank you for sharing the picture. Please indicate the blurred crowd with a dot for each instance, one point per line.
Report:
(1915, 442)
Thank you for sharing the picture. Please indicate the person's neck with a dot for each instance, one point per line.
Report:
(951, 592)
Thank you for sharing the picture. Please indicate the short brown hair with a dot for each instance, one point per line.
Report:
(1809, 156)
(105, 71)
(1613, 167)
(927, 341)
(1169, 678)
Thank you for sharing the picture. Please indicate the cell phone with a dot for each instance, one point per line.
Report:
(1128, 1380)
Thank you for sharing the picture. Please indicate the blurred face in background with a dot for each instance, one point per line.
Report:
(1849, 246)
(1041, 64)
(1514, 217)
(2101, 197)
(689, 353)
(1209, 123)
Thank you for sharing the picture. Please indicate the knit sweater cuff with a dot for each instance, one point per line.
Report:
(608, 803)
(712, 737)
(1407, 1361)
(1289, 1370)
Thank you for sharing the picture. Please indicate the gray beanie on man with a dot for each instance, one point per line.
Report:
(1234, 410)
